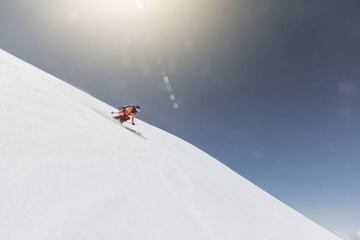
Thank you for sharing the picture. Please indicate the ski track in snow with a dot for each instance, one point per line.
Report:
(68, 171)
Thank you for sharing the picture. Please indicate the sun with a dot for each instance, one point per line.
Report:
(140, 5)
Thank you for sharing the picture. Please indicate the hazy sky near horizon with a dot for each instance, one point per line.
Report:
(269, 87)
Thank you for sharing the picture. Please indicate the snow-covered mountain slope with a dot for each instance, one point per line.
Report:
(69, 172)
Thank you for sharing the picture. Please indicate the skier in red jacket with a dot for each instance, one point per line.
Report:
(127, 112)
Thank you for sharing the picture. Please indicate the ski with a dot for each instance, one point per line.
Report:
(129, 128)
(134, 131)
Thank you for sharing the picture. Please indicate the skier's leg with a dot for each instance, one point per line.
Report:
(124, 118)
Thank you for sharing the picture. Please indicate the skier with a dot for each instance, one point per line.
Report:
(127, 112)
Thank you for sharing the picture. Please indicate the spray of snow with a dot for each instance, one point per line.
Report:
(349, 236)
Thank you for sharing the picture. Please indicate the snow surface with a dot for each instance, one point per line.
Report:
(70, 172)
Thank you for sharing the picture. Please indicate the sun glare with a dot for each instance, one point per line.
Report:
(140, 5)
(107, 8)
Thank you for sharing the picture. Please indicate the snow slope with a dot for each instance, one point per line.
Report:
(69, 172)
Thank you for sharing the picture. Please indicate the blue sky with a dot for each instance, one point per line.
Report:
(269, 87)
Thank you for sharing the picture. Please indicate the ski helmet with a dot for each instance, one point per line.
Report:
(137, 108)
